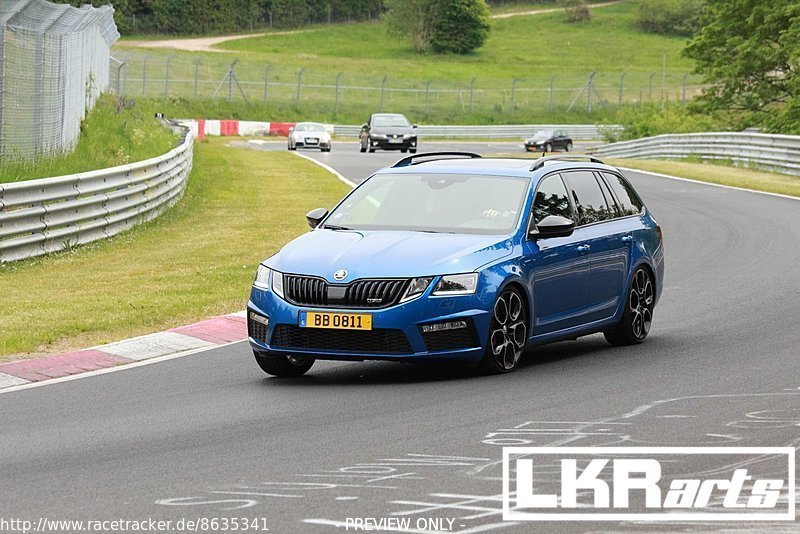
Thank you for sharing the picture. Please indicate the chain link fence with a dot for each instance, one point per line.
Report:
(54, 62)
(160, 74)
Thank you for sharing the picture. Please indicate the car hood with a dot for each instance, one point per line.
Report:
(392, 130)
(318, 134)
(387, 254)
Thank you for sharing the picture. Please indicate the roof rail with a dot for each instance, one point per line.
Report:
(409, 160)
(539, 163)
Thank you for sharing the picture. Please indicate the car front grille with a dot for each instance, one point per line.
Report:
(312, 291)
(460, 338)
(376, 341)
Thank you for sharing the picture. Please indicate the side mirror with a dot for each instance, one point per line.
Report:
(553, 226)
(314, 217)
(413, 125)
(365, 126)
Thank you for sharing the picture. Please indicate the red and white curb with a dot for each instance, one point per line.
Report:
(204, 334)
(203, 127)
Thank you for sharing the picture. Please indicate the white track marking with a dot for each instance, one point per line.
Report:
(700, 182)
(152, 345)
(7, 381)
(118, 368)
(327, 168)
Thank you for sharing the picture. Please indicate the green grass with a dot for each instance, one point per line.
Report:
(718, 174)
(525, 47)
(534, 50)
(195, 261)
(109, 137)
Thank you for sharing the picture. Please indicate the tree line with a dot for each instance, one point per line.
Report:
(224, 16)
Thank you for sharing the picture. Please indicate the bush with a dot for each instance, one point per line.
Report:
(577, 11)
(670, 17)
(460, 26)
(653, 119)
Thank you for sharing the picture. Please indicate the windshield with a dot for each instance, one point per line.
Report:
(309, 127)
(449, 203)
(543, 133)
(388, 121)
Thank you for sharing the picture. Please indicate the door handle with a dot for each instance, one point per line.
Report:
(627, 238)
(584, 248)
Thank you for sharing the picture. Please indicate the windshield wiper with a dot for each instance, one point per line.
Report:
(335, 227)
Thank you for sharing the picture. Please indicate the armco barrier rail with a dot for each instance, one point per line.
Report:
(52, 214)
(578, 132)
(778, 153)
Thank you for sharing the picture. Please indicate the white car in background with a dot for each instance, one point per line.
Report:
(309, 135)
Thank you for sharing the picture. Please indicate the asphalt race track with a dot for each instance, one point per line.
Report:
(210, 436)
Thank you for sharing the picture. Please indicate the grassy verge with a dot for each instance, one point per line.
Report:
(745, 178)
(718, 174)
(196, 261)
(110, 136)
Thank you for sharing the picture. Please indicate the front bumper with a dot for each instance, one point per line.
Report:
(399, 325)
(392, 144)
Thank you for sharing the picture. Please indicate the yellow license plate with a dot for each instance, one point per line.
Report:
(339, 321)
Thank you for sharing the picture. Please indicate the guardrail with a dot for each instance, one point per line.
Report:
(778, 153)
(578, 132)
(52, 214)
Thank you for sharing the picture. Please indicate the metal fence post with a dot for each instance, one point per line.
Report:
(383, 88)
(622, 87)
(299, 80)
(472, 96)
(166, 76)
(683, 89)
(266, 82)
(144, 75)
(550, 94)
(336, 97)
(427, 97)
(514, 95)
(650, 83)
(196, 75)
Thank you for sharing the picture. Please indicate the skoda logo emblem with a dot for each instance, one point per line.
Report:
(341, 274)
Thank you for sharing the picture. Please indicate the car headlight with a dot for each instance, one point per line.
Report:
(378, 136)
(277, 283)
(457, 284)
(416, 288)
(262, 277)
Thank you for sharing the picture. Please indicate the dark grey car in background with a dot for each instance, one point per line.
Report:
(388, 131)
(549, 140)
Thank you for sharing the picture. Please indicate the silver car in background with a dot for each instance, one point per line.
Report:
(309, 135)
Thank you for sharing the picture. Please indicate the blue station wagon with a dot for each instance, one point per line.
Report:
(451, 257)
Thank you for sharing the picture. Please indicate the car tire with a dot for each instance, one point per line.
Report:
(548, 147)
(326, 149)
(292, 147)
(568, 147)
(404, 150)
(413, 150)
(281, 365)
(371, 150)
(508, 333)
(634, 326)
(363, 149)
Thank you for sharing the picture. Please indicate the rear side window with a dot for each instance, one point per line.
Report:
(629, 201)
(588, 197)
(551, 199)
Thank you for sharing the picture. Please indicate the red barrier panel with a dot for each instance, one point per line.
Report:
(230, 127)
(201, 129)
(280, 128)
